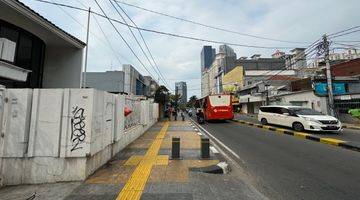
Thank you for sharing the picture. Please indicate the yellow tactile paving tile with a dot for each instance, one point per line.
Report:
(142, 172)
(188, 139)
(134, 160)
(331, 141)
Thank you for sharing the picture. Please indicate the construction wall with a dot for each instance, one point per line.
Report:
(50, 135)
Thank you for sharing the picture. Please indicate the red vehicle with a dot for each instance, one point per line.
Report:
(217, 107)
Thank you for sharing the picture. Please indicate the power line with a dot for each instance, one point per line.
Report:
(108, 46)
(342, 31)
(123, 39)
(177, 35)
(147, 47)
(343, 34)
(132, 33)
(205, 25)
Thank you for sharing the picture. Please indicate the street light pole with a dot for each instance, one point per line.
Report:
(83, 81)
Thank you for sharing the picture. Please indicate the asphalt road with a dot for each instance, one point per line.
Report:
(287, 167)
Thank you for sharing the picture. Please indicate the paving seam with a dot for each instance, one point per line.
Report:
(307, 136)
(135, 185)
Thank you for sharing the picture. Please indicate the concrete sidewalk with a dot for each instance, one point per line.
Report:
(144, 171)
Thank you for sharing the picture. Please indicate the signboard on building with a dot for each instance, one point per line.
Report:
(338, 88)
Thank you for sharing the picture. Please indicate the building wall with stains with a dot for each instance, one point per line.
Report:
(51, 135)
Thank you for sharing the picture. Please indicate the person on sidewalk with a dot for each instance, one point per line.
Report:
(175, 113)
(182, 116)
(169, 112)
(200, 116)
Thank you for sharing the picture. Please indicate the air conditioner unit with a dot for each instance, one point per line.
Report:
(7, 50)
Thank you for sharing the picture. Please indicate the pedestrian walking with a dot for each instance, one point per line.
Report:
(175, 114)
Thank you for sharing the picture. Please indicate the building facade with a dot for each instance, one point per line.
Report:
(212, 78)
(110, 81)
(134, 82)
(337, 57)
(35, 53)
(255, 62)
(181, 90)
(207, 56)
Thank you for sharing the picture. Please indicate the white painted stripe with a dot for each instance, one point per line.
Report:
(213, 149)
(218, 141)
(199, 133)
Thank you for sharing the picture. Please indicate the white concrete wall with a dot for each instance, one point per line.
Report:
(55, 135)
(62, 63)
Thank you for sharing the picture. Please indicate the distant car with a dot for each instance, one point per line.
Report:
(298, 118)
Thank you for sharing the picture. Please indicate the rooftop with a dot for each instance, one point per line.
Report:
(32, 15)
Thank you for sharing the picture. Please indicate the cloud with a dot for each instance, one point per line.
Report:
(296, 20)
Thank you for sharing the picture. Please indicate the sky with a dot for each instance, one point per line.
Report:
(302, 21)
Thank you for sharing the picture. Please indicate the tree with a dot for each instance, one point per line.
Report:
(192, 101)
(162, 95)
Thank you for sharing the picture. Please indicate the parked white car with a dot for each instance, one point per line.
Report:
(298, 118)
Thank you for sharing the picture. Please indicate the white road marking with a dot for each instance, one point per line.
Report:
(219, 142)
(213, 149)
(199, 133)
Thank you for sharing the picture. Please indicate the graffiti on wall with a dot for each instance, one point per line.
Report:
(78, 134)
(133, 118)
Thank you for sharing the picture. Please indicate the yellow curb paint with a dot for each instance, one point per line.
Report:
(134, 187)
(266, 127)
(280, 130)
(331, 141)
(301, 135)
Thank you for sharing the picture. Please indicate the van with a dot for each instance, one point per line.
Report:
(298, 118)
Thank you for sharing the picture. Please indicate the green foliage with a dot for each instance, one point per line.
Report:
(192, 101)
(162, 95)
(355, 112)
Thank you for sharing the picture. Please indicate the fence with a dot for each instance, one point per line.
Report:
(50, 135)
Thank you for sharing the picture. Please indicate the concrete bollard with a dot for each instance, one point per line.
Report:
(205, 148)
(175, 148)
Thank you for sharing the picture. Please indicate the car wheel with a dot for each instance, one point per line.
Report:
(297, 126)
(264, 121)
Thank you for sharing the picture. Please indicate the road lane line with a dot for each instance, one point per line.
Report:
(135, 185)
(219, 142)
(213, 149)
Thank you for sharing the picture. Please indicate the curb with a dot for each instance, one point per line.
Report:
(329, 141)
(220, 168)
(351, 127)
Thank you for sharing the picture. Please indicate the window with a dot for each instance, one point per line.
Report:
(29, 54)
(23, 57)
(9, 33)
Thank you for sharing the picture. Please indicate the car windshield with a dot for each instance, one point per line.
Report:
(305, 111)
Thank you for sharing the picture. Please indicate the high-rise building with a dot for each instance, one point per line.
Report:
(181, 89)
(207, 57)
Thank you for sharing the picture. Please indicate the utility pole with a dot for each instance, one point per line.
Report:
(267, 94)
(328, 76)
(83, 81)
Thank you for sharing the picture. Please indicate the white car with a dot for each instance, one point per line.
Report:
(298, 118)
